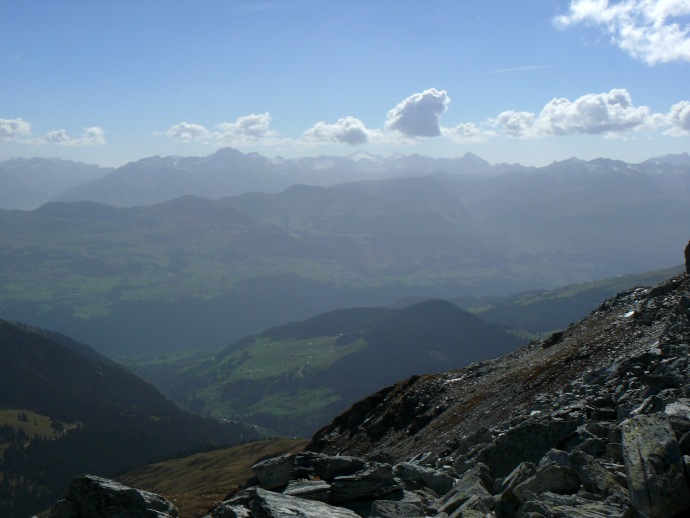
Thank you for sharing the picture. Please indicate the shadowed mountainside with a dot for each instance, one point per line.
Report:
(104, 420)
(294, 378)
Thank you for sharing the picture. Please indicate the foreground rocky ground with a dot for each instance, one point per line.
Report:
(594, 421)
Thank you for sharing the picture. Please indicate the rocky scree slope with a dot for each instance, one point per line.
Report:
(594, 421)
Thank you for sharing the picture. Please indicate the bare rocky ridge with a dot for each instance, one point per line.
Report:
(582, 367)
(594, 421)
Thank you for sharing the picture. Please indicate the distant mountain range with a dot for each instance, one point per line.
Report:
(199, 273)
(65, 410)
(28, 183)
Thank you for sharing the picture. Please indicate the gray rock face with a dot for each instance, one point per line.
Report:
(94, 496)
(552, 505)
(374, 481)
(394, 509)
(435, 480)
(654, 466)
(274, 472)
(473, 483)
(527, 442)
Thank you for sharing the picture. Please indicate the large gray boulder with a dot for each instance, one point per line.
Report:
(396, 509)
(371, 483)
(89, 495)
(561, 480)
(654, 466)
(260, 503)
(527, 442)
(472, 483)
(274, 472)
(415, 475)
(581, 505)
(328, 467)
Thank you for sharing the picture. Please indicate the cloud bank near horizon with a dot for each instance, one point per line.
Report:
(19, 130)
(610, 114)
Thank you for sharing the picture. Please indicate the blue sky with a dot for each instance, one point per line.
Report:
(527, 81)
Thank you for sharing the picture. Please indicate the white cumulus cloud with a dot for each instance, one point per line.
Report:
(347, 130)
(247, 129)
(19, 130)
(516, 124)
(93, 136)
(418, 115)
(594, 113)
(653, 31)
(252, 128)
(14, 129)
(611, 113)
(467, 132)
(679, 119)
(187, 132)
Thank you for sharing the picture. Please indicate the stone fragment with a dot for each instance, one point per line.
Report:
(594, 477)
(476, 504)
(654, 467)
(520, 474)
(225, 510)
(266, 504)
(375, 481)
(437, 481)
(328, 467)
(394, 509)
(555, 457)
(425, 458)
(89, 495)
(472, 483)
(555, 478)
(309, 489)
(275, 472)
(526, 443)
(581, 505)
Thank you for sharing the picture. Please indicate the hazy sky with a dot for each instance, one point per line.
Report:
(530, 81)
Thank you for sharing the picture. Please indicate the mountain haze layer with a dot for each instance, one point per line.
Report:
(199, 273)
(29, 183)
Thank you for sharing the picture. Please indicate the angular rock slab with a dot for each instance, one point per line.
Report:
(435, 480)
(654, 466)
(261, 503)
(581, 505)
(89, 495)
(369, 484)
(393, 509)
(274, 472)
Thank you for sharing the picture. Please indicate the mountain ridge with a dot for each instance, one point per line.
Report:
(229, 172)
